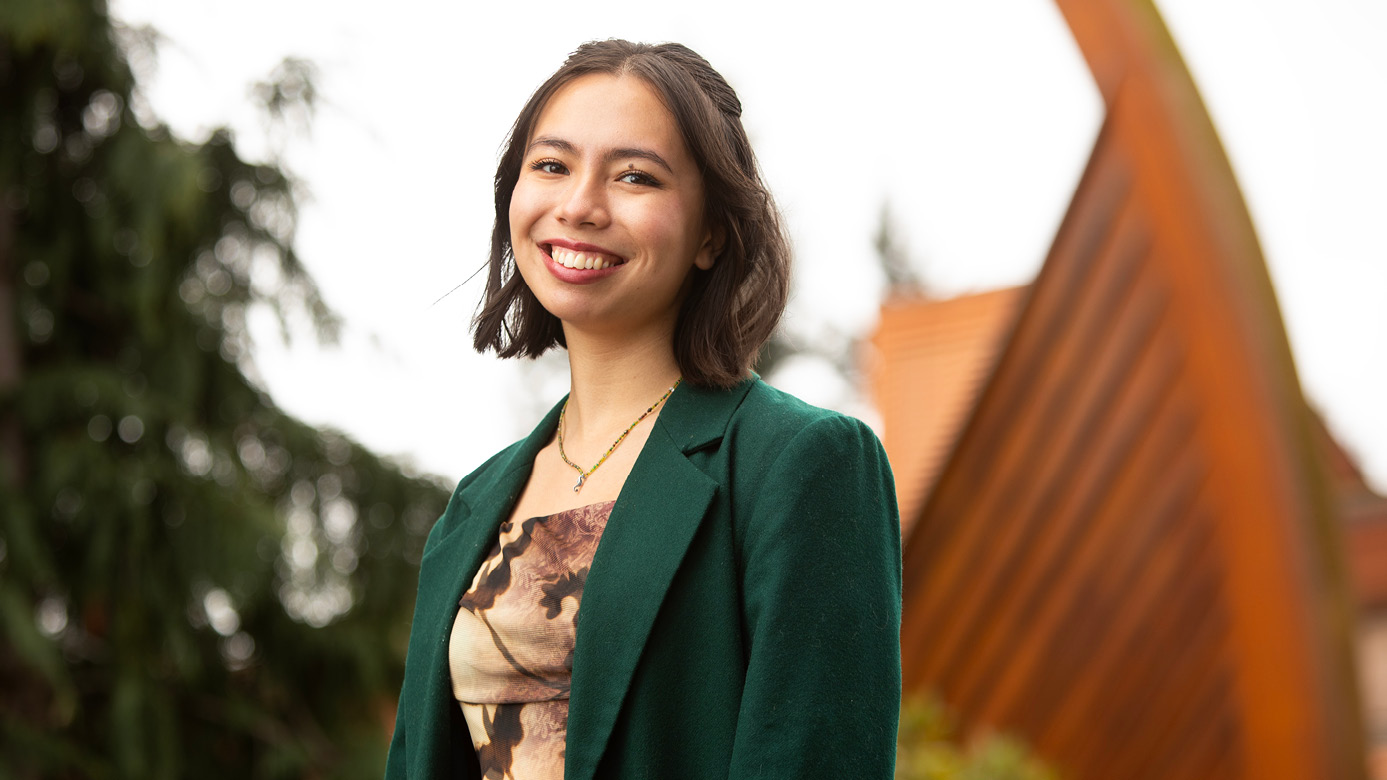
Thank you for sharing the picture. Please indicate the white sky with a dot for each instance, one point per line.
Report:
(955, 113)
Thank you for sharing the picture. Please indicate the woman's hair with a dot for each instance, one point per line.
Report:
(729, 310)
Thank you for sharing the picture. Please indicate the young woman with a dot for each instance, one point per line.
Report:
(682, 572)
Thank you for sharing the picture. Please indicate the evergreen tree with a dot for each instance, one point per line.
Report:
(192, 582)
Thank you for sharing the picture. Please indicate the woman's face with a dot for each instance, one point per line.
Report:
(606, 218)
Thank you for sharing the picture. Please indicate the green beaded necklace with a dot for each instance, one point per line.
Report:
(583, 475)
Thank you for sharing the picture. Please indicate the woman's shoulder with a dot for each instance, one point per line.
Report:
(778, 417)
(805, 465)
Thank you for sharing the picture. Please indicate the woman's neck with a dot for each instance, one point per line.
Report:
(614, 380)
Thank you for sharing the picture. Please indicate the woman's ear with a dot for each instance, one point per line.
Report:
(709, 250)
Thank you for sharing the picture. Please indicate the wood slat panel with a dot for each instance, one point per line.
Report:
(1010, 454)
(1111, 185)
(1061, 716)
(1071, 569)
(1070, 600)
(1053, 525)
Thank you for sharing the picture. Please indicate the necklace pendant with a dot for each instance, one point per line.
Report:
(579, 484)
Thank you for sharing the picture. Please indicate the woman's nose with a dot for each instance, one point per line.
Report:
(584, 202)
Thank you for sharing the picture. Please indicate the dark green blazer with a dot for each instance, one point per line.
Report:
(741, 617)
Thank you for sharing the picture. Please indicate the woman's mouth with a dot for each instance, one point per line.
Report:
(580, 261)
(586, 264)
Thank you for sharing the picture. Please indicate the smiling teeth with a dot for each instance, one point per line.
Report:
(569, 259)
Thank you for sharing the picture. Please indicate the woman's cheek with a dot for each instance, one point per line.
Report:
(518, 213)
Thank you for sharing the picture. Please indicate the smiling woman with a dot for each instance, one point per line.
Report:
(736, 558)
(580, 184)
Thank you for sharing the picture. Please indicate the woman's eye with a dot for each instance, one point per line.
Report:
(637, 177)
(548, 166)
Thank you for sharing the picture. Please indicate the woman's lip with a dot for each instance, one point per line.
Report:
(576, 275)
(578, 246)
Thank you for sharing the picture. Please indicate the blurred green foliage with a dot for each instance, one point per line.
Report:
(929, 749)
(192, 583)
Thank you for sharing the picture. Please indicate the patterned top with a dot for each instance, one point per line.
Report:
(511, 650)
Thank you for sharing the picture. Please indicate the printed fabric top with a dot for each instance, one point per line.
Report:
(511, 650)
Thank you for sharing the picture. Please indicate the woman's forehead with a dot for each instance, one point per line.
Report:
(598, 112)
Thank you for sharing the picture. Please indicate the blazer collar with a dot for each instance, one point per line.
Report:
(697, 416)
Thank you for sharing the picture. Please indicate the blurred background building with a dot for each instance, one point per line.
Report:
(1128, 538)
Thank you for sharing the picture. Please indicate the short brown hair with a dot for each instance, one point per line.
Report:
(731, 309)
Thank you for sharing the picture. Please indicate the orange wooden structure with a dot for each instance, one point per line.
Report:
(1129, 554)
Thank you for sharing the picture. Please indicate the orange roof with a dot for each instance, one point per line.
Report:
(1357, 502)
(1364, 513)
(931, 359)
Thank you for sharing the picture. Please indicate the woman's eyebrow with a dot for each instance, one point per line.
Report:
(623, 153)
(557, 144)
(638, 153)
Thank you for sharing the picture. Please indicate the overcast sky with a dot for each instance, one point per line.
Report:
(973, 120)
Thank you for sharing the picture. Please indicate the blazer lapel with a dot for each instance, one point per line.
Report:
(470, 527)
(660, 508)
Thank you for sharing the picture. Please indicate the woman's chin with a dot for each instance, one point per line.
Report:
(613, 326)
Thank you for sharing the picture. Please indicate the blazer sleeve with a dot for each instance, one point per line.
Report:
(821, 556)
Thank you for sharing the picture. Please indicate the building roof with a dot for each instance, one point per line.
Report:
(1364, 513)
(930, 359)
